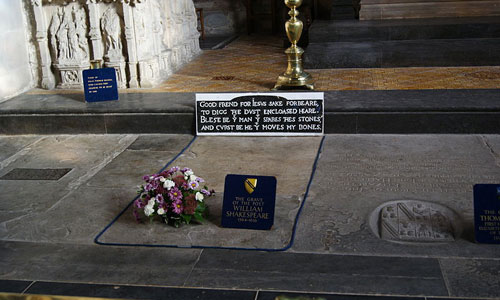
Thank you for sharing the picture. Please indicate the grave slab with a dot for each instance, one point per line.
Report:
(12, 145)
(84, 154)
(212, 158)
(358, 175)
(146, 155)
(54, 212)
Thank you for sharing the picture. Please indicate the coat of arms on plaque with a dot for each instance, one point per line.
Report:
(250, 184)
(415, 221)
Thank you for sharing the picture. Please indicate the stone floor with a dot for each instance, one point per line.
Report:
(250, 64)
(48, 226)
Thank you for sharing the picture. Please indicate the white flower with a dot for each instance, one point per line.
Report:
(151, 202)
(192, 178)
(148, 211)
(162, 179)
(161, 211)
(188, 173)
(199, 196)
(168, 184)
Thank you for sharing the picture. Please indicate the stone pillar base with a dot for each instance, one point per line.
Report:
(119, 67)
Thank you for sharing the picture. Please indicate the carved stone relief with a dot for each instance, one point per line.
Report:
(69, 44)
(415, 221)
(143, 40)
(68, 35)
(111, 31)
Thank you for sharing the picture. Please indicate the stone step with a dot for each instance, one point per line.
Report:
(342, 10)
(410, 29)
(398, 111)
(403, 53)
(344, 16)
(404, 9)
(342, 2)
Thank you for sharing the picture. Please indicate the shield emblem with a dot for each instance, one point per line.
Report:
(250, 184)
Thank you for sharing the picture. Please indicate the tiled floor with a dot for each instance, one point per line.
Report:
(253, 63)
(248, 64)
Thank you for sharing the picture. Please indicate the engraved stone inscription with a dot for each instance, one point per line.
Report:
(415, 221)
(403, 174)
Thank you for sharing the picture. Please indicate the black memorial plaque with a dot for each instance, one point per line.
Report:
(487, 213)
(260, 114)
(249, 202)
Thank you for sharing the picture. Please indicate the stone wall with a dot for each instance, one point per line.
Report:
(15, 73)
(223, 17)
(143, 40)
(405, 9)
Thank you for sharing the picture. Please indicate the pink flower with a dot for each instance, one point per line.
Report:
(159, 198)
(175, 194)
(193, 184)
(139, 204)
(178, 208)
(148, 187)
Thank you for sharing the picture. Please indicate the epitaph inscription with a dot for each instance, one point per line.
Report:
(259, 114)
(404, 174)
(415, 221)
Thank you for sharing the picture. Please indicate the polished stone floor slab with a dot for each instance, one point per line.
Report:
(319, 273)
(213, 158)
(70, 262)
(482, 279)
(358, 174)
(14, 286)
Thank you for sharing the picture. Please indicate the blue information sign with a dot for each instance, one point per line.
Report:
(487, 213)
(100, 85)
(249, 202)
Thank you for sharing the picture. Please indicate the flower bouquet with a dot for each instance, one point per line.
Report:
(176, 195)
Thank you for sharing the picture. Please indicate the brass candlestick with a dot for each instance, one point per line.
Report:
(294, 76)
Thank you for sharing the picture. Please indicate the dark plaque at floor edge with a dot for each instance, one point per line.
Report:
(100, 85)
(487, 213)
(249, 202)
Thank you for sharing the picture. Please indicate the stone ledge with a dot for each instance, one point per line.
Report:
(396, 111)
(384, 9)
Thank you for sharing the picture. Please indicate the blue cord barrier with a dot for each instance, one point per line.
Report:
(295, 224)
